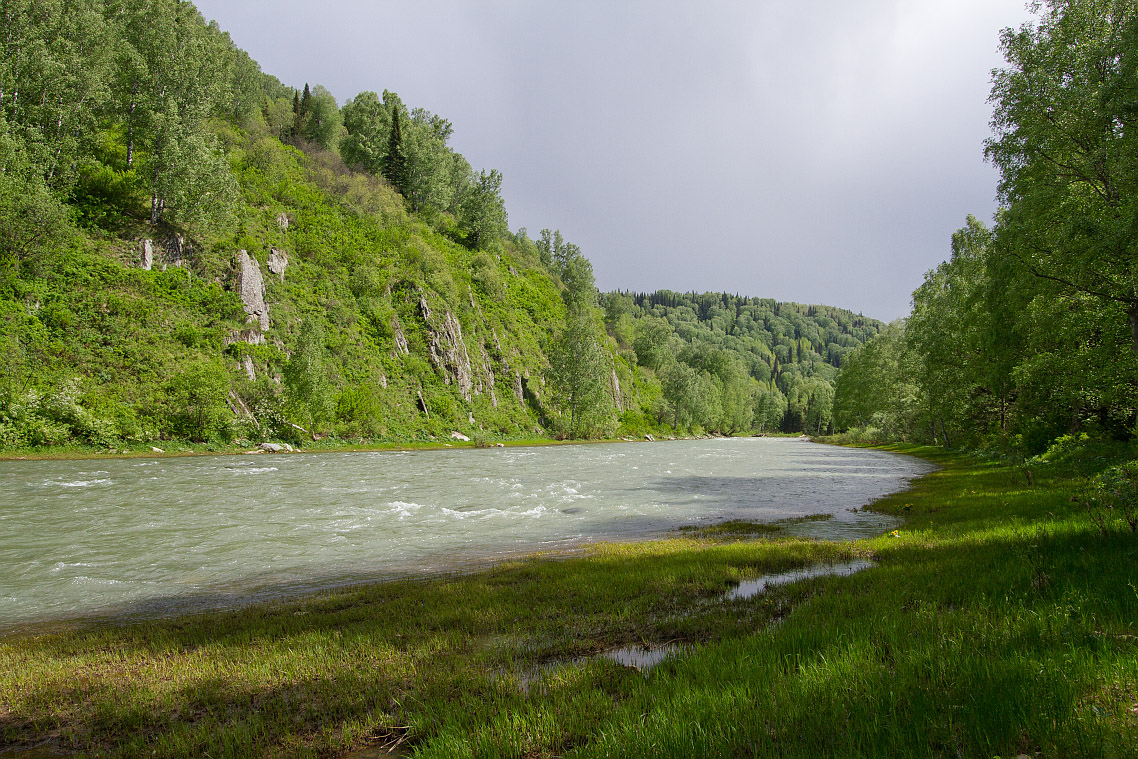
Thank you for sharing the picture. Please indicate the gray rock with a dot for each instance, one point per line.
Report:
(147, 262)
(156, 450)
(448, 351)
(459, 436)
(251, 336)
(271, 447)
(278, 262)
(176, 252)
(616, 391)
(490, 379)
(283, 221)
(400, 338)
(519, 391)
(650, 439)
(250, 372)
(251, 289)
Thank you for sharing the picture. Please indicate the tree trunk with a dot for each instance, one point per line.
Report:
(1132, 312)
(156, 206)
(130, 127)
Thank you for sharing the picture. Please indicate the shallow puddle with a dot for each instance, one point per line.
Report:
(377, 752)
(639, 658)
(33, 752)
(752, 588)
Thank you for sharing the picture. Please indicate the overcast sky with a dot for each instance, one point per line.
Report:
(819, 151)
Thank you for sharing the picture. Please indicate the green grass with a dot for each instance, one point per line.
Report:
(997, 622)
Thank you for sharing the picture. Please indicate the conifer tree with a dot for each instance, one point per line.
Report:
(395, 161)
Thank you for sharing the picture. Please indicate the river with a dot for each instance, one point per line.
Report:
(138, 537)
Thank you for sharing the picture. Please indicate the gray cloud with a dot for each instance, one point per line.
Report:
(812, 151)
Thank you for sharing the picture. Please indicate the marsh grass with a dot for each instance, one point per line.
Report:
(999, 621)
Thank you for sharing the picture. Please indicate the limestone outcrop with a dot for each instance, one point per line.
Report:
(251, 288)
(400, 339)
(278, 262)
(448, 351)
(251, 336)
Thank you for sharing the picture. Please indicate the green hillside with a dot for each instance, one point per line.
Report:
(192, 251)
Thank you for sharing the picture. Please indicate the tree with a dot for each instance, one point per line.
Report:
(305, 377)
(580, 364)
(1066, 144)
(653, 342)
(31, 217)
(481, 210)
(197, 402)
(428, 161)
(395, 156)
(321, 123)
(54, 80)
(365, 121)
(172, 78)
(580, 367)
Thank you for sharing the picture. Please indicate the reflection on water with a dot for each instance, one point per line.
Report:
(752, 588)
(139, 537)
(639, 658)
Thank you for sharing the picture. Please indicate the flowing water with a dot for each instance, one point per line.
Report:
(136, 537)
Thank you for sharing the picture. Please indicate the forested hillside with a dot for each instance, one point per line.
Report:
(1029, 333)
(191, 250)
(733, 363)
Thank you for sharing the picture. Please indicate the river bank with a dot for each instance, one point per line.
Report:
(997, 620)
(325, 445)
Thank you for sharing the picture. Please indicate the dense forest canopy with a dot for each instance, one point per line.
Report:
(192, 250)
(1030, 331)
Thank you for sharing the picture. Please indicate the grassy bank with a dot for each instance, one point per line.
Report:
(79, 452)
(998, 621)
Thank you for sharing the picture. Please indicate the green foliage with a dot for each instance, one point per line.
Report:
(305, 376)
(748, 356)
(579, 372)
(394, 162)
(321, 122)
(196, 405)
(1112, 496)
(32, 219)
(481, 210)
(1067, 150)
(55, 73)
(1030, 331)
(50, 418)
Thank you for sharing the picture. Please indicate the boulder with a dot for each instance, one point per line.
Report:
(459, 436)
(650, 439)
(147, 262)
(276, 447)
(251, 289)
(282, 221)
(278, 262)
